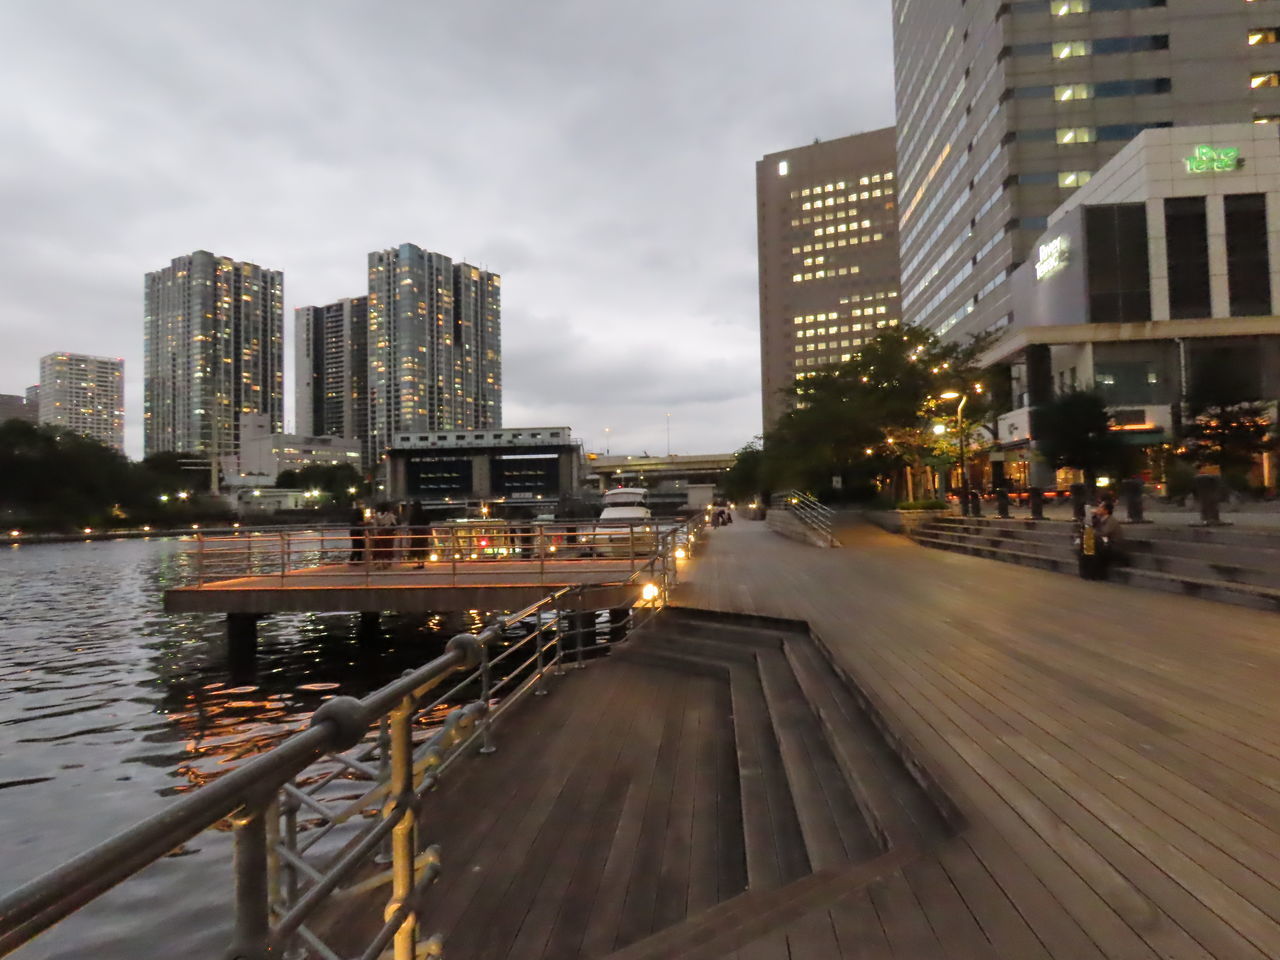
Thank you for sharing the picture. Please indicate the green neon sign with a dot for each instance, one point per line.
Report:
(1209, 159)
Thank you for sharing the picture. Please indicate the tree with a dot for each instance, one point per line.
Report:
(287, 479)
(745, 479)
(1229, 428)
(1074, 430)
(60, 478)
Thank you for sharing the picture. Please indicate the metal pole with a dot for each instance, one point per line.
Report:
(284, 555)
(540, 638)
(964, 474)
(542, 545)
(199, 559)
(253, 910)
(400, 806)
(486, 693)
(633, 547)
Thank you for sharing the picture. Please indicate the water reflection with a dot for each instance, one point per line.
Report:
(108, 707)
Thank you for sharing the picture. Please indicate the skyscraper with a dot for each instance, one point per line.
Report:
(213, 352)
(434, 345)
(84, 394)
(332, 375)
(1005, 108)
(827, 228)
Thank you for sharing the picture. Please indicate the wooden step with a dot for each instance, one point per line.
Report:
(896, 806)
(757, 914)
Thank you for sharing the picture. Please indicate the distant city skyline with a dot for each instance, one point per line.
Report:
(610, 182)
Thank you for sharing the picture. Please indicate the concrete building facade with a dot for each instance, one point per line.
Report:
(14, 407)
(214, 352)
(332, 370)
(84, 394)
(1005, 108)
(434, 345)
(516, 464)
(827, 225)
(1163, 270)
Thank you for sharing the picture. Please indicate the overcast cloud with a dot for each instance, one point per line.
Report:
(599, 155)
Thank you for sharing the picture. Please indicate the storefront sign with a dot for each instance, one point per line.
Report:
(1214, 159)
(1053, 257)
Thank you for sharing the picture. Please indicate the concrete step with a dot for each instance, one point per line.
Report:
(1243, 572)
(1250, 594)
(1057, 549)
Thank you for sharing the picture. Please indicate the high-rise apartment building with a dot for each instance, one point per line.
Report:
(1005, 108)
(213, 353)
(331, 372)
(827, 230)
(84, 394)
(434, 350)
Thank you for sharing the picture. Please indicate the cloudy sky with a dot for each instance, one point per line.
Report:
(598, 154)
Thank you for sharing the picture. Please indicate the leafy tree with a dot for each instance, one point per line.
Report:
(1074, 430)
(335, 479)
(1229, 428)
(60, 478)
(287, 479)
(745, 479)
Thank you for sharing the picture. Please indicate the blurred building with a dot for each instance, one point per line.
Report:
(827, 231)
(332, 371)
(33, 397)
(84, 394)
(14, 407)
(265, 455)
(434, 345)
(517, 464)
(1004, 109)
(213, 351)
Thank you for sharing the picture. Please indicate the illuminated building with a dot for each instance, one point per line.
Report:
(84, 394)
(213, 353)
(1005, 108)
(827, 226)
(331, 372)
(1160, 275)
(434, 347)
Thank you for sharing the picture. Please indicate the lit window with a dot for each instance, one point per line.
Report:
(1271, 79)
(1263, 35)
(1068, 135)
(1068, 179)
(1073, 91)
(1063, 8)
(783, 168)
(1065, 49)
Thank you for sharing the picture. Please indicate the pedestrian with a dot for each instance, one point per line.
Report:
(384, 537)
(1109, 537)
(358, 533)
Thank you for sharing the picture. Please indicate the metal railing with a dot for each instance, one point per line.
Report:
(807, 510)
(365, 555)
(331, 814)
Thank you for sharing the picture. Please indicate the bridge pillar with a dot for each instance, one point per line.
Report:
(242, 644)
(369, 626)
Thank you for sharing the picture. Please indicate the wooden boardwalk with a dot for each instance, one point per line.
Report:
(1115, 754)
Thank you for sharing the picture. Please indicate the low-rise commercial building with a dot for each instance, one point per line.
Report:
(1160, 272)
(517, 463)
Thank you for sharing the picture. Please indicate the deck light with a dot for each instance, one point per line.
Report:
(434, 557)
(88, 529)
(15, 533)
(164, 498)
(649, 592)
(680, 553)
(182, 494)
(195, 526)
(949, 395)
(146, 529)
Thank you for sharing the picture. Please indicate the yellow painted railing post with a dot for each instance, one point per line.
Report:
(400, 805)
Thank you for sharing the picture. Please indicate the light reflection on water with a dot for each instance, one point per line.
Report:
(109, 708)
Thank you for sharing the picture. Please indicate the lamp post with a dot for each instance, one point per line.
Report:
(964, 475)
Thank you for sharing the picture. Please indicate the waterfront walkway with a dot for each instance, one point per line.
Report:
(1114, 753)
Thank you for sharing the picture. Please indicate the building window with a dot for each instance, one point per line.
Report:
(1069, 135)
(1119, 275)
(1248, 260)
(1070, 179)
(1073, 91)
(1261, 35)
(1064, 49)
(783, 168)
(1187, 232)
(1271, 79)
(1064, 8)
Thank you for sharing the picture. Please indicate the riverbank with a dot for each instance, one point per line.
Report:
(15, 537)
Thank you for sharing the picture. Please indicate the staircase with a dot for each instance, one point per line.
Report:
(1219, 563)
(828, 806)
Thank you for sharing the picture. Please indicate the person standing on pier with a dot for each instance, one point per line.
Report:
(384, 535)
(357, 530)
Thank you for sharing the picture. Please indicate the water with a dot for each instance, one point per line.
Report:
(109, 709)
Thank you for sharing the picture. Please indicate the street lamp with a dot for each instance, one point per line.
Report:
(964, 476)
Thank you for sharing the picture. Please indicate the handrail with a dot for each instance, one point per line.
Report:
(806, 508)
(285, 870)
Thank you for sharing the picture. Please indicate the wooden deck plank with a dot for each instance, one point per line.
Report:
(1146, 734)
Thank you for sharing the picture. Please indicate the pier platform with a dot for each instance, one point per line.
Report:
(404, 588)
(881, 751)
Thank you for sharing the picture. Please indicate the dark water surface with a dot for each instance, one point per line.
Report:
(109, 709)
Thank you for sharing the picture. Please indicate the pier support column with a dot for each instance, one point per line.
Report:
(242, 644)
(369, 627)
(619, 624)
